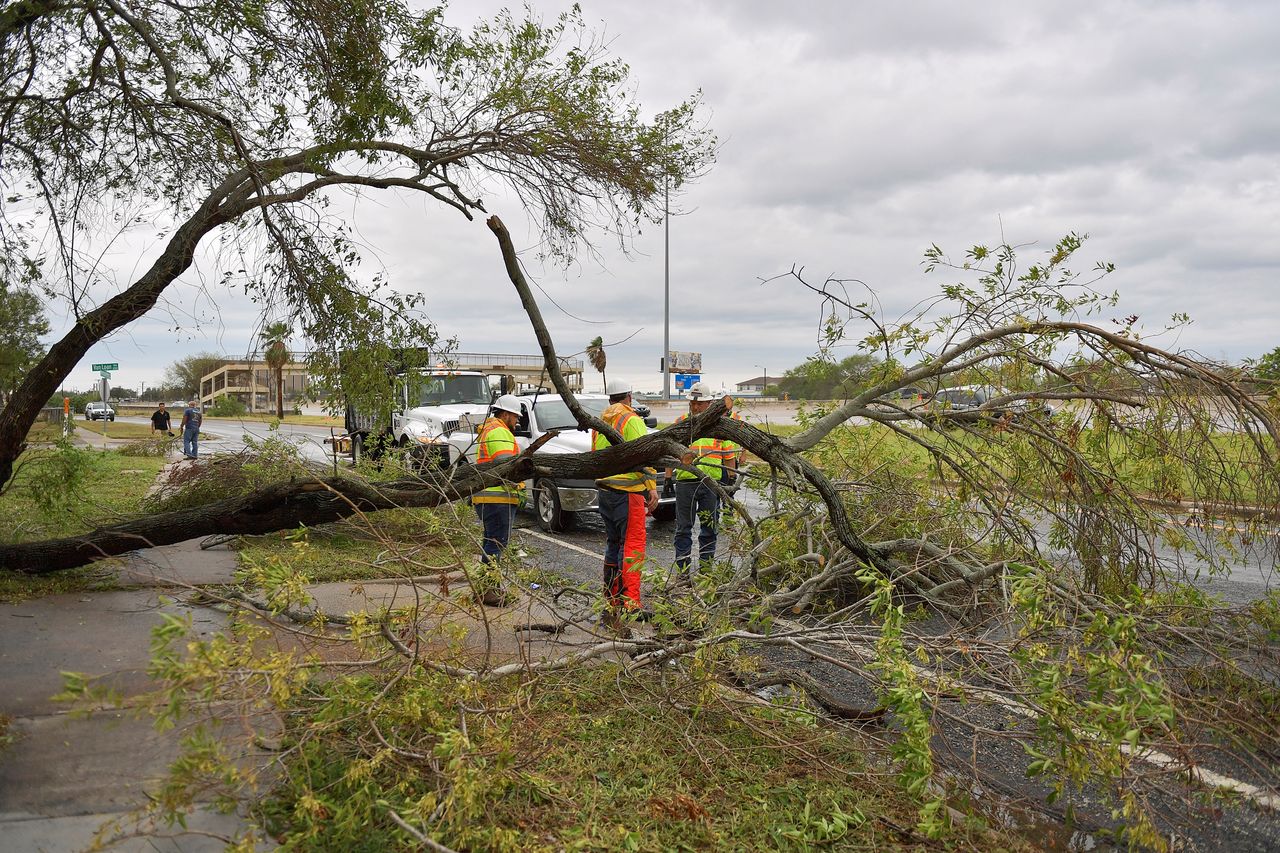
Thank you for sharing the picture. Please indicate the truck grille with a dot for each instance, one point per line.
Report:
(449, 427)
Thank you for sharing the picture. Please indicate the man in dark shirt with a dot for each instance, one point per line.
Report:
(160, 421)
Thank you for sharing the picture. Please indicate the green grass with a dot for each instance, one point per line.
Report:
(306, 420)
(16, 587)
(599, 759)
(44, 501)
(115, 429)
(44, 433)
(7, 737)
(394, 543)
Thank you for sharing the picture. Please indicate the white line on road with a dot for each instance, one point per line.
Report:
(544, 537)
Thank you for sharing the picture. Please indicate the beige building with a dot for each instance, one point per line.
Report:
(251, 382)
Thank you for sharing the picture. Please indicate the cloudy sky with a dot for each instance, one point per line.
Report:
(852, 136)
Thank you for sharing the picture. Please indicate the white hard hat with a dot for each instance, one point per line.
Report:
(617, 386)
(699, 391)
(507, 403)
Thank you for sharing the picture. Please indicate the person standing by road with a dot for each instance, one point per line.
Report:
(695, 498)
(190, 426)
(496, 506)
(160, 422)
(624, 499)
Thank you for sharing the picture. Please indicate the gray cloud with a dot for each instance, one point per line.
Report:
(856, 134)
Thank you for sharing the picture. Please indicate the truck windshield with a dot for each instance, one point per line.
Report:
(552, 413)
(449, 390)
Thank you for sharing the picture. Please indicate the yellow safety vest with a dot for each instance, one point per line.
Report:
(710, 455)
(497, 442)
(621, 417)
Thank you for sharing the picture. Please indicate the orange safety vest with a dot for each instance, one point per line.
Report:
(622, 418)
(497, 442)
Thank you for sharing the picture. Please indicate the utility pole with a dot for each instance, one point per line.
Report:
(666, 288)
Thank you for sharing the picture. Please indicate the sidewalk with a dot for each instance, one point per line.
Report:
(93, 441)
(63, 777)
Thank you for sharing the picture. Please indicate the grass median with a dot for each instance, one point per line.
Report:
(301, 420)
(58, 493)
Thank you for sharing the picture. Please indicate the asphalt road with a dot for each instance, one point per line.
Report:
(230, 435)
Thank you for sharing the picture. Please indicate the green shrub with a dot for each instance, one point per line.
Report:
(227, 407)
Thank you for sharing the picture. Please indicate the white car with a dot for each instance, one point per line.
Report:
(98, 412)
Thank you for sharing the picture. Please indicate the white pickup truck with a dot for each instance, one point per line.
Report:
(556, 503)
(430, 406)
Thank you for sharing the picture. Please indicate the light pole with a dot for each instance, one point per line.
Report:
(666, 288)
(764, 370)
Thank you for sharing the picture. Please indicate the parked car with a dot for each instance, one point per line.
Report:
(99, 411)
(960, 398)
(964, 397)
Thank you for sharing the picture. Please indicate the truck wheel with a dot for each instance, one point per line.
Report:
(357, 448)
(546, 506)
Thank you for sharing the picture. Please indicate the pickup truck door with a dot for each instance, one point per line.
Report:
(397, 416)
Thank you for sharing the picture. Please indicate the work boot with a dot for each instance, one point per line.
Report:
(681, 571)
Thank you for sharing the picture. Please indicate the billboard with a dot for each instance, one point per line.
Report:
(684, 362)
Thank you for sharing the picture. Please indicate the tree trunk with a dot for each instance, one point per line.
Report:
(285, 505)
(280, 393)
(24, 404)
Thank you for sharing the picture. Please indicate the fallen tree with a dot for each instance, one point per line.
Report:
(1032, 530)
(965, 567)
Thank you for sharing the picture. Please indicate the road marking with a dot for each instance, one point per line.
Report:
(1208, 778)
(595, 555)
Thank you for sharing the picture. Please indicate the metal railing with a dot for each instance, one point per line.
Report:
(500, 360)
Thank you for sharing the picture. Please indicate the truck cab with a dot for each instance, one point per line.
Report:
(429, 406)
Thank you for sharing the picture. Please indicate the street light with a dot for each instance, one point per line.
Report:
(765, 370)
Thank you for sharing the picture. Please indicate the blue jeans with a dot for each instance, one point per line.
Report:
(693, 497)
(496, 520)
(191, 442)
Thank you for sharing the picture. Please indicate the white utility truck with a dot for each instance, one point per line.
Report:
(429, 406)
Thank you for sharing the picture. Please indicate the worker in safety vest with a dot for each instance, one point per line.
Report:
(714, 458)
(496, 506)
(624, 499)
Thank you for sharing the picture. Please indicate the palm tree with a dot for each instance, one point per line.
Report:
(596, 355)
(276, 353)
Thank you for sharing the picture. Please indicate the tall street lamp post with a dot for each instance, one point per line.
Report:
(764, 370)
(666, 288)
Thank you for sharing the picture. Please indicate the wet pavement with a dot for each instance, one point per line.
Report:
(64, 776)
